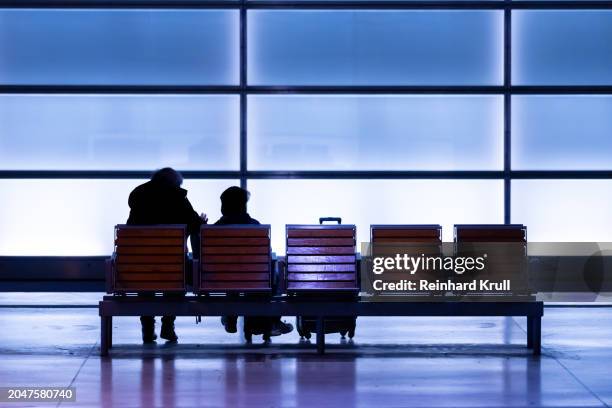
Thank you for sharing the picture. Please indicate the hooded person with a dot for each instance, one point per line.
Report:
(161, 200)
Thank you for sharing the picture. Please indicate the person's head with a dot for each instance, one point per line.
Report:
(168, 177)
(234, 201)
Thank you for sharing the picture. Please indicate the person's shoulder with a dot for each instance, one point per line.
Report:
(252, 220)
(138, 194)
(142, 187)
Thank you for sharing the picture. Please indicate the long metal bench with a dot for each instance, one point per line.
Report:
(321, 309)
(139, 251)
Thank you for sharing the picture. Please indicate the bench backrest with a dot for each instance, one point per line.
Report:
(490, 233)
(321, 259)
(407, 233)
(149, 259)
(234, 259)
(410, 239)
(504, 245)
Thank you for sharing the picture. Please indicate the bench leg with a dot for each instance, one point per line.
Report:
(320, 335)
(110, 332)
(104, 336)
(536, 335)
(530, 332)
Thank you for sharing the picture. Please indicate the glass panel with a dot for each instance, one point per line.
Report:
(76, 217)
(352, 132)
(119, 47)
(119, 132)
(375, 47)
(564, 210)
(562, 47)
(365, 202)
(562, 132)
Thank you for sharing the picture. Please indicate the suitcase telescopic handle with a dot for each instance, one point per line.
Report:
(330, 219)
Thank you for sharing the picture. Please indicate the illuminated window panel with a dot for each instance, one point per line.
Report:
(396, 47)
(564, 210)
(119, 132)
(76, 217)
(119, 47)
(350, 132)
(562, 47)
(365, 202)
(562, 132)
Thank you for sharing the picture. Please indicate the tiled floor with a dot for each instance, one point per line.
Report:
(394, 362)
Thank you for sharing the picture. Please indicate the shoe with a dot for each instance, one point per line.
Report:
(280, 327)
(229, 322)
(148, 334)
(167, 332)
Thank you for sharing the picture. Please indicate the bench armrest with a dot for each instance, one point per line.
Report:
(279, 273)
(195, 270)
(109, 271)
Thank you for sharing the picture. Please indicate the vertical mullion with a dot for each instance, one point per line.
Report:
(507, 109)
(243, 95)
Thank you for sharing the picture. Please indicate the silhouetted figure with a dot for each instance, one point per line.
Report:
(234, 211)
(162, 201)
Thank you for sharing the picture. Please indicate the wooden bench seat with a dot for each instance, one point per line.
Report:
(234, 259)
(148, 259)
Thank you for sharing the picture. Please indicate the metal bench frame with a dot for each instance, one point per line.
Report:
(112, 306)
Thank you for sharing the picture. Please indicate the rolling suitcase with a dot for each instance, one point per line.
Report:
(306, 325)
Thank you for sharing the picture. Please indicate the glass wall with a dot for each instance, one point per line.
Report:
(373, 113)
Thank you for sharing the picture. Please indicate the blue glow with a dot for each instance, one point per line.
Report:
(365, 202)
(564, 210)
(76, 217)
(352, 132)
(119, 47)
(562, 132)
(375, 47)
(119, 132)
(562, 47)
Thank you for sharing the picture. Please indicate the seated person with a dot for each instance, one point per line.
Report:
(162, 201)
(234, 211)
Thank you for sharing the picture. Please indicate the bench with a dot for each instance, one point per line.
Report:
(320, 252)
(321, 309)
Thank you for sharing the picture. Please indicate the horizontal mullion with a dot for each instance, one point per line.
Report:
(109, 174)
(312, 90)
(122, 4)
(365, 174)
(305, 4)
(561, 89)
(561, 174)
(560, 4)
(119, 89)
(357, 89)
(322, 174)
(377, 5)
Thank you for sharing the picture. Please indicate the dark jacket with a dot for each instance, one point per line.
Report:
(157, 203)
(243, 218)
